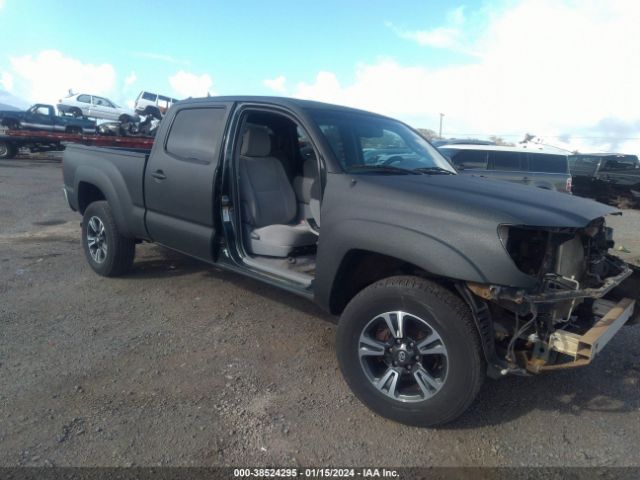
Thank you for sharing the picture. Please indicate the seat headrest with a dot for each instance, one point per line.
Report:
(256, 142)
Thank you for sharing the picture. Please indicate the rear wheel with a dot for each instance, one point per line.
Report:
(76, 112)
(410, 351)
(7, 150)
(108, 252)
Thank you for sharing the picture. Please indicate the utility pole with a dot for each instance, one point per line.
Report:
(440, 133)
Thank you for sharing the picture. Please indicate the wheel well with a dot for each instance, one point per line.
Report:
(7, 122)
(361, 268)
(87, 194)
(73, 129)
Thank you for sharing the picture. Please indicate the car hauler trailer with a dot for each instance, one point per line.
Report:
(11, 141)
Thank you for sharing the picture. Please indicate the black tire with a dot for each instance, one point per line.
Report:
(624, 202)
(7, 150)
(449, 317)
(125, 119)
(76, 112)
(117, 257)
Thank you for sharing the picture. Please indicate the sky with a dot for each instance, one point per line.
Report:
(566, 71)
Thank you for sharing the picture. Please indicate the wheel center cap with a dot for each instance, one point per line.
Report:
(404, 355)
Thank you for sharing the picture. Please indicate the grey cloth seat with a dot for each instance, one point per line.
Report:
(269, 206)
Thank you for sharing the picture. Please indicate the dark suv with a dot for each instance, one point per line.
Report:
(512, 164)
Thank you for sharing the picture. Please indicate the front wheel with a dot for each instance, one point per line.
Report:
(108, 252)
(410, 351)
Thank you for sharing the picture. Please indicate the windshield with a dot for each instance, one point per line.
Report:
(367, 144)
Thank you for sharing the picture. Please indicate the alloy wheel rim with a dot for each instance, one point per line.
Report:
(3, 149)
(97, 239)
(403, 356)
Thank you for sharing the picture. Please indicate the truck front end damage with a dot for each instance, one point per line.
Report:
(583, 296)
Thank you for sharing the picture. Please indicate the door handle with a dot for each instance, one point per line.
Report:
(159, 175)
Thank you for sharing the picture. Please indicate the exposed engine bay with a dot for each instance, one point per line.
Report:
(583, 295)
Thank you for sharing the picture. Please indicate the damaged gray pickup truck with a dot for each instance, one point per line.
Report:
(439, 279)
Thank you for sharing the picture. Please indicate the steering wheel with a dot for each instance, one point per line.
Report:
(393, 159)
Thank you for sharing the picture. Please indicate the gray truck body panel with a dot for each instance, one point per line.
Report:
(118, 174)
(447, 225)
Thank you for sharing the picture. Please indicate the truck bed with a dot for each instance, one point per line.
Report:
(124, 189)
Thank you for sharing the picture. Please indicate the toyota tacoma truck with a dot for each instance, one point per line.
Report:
(439, 279)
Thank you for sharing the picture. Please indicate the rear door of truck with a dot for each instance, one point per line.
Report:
(180, 179)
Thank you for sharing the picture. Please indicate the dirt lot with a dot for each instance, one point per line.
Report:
(181, 364)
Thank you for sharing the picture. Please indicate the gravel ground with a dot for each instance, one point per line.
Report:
(181, 364)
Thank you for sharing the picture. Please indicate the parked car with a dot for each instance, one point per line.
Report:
(549, 171)
(607, 177)
(44, 117)
(439, 278)
(93, 106)
(463, 141)
(148, 99)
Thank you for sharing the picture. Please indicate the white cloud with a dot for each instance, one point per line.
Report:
(440, 37)
(545, 67)
(6, 80)
(327, 88)
(47, 76)
(276, 84)
(131, 79)
(187, 84)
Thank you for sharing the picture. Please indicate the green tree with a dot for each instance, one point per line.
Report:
(501, 141)
(428, 133)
